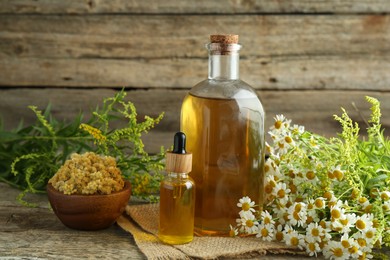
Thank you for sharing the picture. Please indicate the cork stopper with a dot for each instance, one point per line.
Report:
(224, 38)
(179, 160)
(179, 163)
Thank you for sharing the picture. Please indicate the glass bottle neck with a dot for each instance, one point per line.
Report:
(223, 61)
(177, 175)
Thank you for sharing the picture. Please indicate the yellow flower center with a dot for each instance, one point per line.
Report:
(249, 223)
(330, 175)
(353, 249)
(312, 247)
(281, 145)
(296, 216)
(267, 220)
(384, 196)
(319, 203)
(278, 124)
(368, 208)
(335, 213)
(266, 168)
(310, 175)
(355, 193)
(279, 236)
(338, 174)
(369, 234)
(293, 188)
(345, 244)
(327, 195)
(245, 206)
(360, 224)
(315, 232)
(362, 242)
(323, 224)
(288, 139)
(309, 219)
(232, 233)
(294, 241)
(268, 188)
(264, 232)
(298, 207)
(281, 193)
(362, 200)
(338, 252)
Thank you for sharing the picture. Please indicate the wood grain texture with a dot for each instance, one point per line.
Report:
(200, 6)
(37, 233)
(288, 52)
(319, 72)
(313, 109)
(181, 36)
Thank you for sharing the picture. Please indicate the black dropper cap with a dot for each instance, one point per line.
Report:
(179, 160)
(179, 143)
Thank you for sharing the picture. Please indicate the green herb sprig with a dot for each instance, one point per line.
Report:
(30, 156)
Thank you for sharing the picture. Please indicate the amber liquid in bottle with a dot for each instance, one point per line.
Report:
(177, 197)
(226, 138)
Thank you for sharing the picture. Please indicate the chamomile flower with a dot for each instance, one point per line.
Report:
(297, 130)
(311, 246)
(354, 249)
(293, 238)
(297, 214)
(346, 241)
(281, 123)
(314, 231)
(386, 207)
(310, 177)
(337, 212)
(334, 250)
(266, 232)
(313, 143)
(246, 204)
(279, 235)
(364, 222)
(385, 195)
(365, 204)
(233, 231)
(247, 223)
(369, 235)
(336, 173)
(319, 203)
(347, 221)
(266, 218)
(281, 192)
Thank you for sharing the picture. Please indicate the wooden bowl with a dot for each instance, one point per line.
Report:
(89, 212)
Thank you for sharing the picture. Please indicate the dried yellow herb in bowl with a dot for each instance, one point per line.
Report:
(88, 173)
(88, 192)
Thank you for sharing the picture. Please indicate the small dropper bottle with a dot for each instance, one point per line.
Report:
(177, 196)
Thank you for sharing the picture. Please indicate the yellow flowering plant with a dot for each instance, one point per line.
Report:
(327, 196)
(30, 156)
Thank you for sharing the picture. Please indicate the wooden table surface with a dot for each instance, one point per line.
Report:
(27, 233)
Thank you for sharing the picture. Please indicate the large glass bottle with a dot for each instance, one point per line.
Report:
(224, 121)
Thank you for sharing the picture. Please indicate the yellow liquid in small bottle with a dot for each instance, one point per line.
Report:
(226, 138)
(177, 204)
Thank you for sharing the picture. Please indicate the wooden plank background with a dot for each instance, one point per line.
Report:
(306, 59)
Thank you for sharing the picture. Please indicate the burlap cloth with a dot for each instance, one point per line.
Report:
(142, 222)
